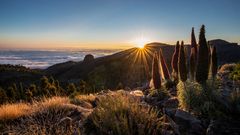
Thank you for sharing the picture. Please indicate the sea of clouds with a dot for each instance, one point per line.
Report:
(45, 58)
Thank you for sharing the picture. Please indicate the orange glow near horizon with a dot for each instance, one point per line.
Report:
(140, 42)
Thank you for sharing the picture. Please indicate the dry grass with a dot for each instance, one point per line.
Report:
(16, 110)
(119, 114)
(49, 116)
(13, 111)
(87, 98)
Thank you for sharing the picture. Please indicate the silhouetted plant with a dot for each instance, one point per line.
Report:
(164, 69)
(192, 64)
(71, 88)
(29, 95)
(33, 89)
(11, 93)
(194, 43)
(44, 84)
(174, 62)
(156, 78)
(203, 58)
(214, 65)
(182, 64)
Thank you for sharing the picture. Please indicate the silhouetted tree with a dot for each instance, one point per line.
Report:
(164, 69)
(214, 65)
(182, 64)
(11, 93)
(82, 86)
(51, 81)
(44, 84)
(174, 62)
(203, 58)
(156, 78)
(3, 96)
(29, 95)
(22, 91)
(71, 88)
(52, 90)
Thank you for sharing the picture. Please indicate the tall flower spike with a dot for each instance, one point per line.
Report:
(174, 62)
(203, 58)
(164, 69)
(156, 78)
(214, 65)
(182, 64)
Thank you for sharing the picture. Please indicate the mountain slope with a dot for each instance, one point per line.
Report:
(129, 67)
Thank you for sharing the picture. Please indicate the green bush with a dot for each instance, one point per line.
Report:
(201, 100)
(235, 74)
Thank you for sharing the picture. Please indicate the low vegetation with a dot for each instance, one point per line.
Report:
(119, 114)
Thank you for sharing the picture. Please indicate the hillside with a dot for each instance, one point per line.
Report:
(122, 67)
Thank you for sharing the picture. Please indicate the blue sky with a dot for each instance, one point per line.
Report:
(113, 23)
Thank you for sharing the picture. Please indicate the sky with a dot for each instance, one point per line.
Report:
(27, 24)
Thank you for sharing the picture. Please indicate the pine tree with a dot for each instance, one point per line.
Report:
(214, 65)
(163, 66)
(182, 64)
(174, 62)
(156, 78)
(203, 58)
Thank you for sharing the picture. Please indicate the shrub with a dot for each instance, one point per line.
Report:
(119, 114)
(159, 93)
(188, 95)
(235, 74)
(200, 99)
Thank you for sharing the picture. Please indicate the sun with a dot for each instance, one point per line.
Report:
(141, 42)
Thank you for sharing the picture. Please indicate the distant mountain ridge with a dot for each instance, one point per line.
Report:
(117, 67)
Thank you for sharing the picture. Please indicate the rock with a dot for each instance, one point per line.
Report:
(188, 123)
(223, 127)
(88, 58)
(185, 117)
(171, 103)
(170, 111)
(174, 126)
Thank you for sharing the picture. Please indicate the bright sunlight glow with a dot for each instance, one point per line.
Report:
(141, 42)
